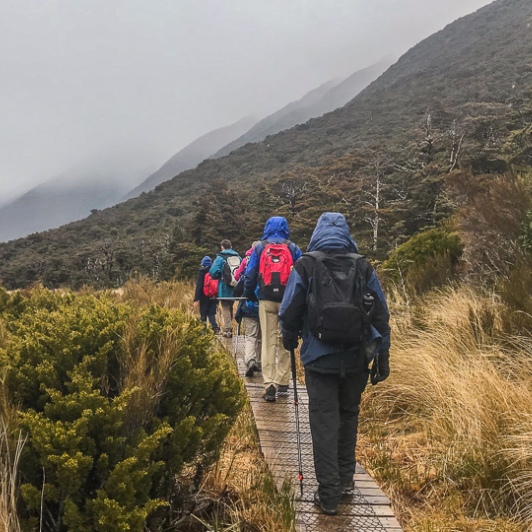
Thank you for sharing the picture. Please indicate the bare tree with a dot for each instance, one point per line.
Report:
(375, 195)
(428, 140)
(292, 193)
(456, 134)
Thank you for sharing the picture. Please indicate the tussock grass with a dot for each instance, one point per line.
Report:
(10, 451)
(144, 292)
(449, 432)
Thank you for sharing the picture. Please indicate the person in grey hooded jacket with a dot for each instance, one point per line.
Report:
(335, 376)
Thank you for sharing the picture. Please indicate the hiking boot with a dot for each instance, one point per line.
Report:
(216, 331)
(227, 334)
(348, 489)
(269, 394)
(282, 389)
(258, 367)
(327, 509)
(251, 368)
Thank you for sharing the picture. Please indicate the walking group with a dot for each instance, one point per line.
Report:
(329, 298)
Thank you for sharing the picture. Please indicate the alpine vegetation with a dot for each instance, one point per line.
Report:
(122, 408)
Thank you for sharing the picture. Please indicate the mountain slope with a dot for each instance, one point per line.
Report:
(55, 203)
(460, 99)
(192, 154)
(326, 98)
(220, 142)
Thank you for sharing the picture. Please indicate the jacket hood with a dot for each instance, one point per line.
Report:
(276, 227)
(332, 232)
(206, 262)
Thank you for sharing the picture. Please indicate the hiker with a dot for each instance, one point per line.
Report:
(337, 366)
(242, 268)
(247, 313)
(268, 269)
(206, 290)
(223, 268)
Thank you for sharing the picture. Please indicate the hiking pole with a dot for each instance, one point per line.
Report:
(296, 408)
(237, 340)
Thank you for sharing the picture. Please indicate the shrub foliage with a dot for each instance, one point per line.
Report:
(118, 405)
(426, 260)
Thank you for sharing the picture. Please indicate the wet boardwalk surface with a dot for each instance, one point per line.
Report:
(368, 509)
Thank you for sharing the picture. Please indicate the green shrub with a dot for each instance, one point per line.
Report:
(118, 405)
(525, 237)
(426, 260)
(516, 292)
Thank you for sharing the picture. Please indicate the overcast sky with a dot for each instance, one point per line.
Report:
(124, 84)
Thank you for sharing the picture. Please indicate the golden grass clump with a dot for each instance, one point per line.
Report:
(254, 504)
(10, 451)
(143, 292)
(451, 426)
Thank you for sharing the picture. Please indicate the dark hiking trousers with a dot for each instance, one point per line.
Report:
(208, 311)
(334, 405)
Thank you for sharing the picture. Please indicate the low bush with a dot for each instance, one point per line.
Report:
(124, 408)
(427, 260)
(516, 292)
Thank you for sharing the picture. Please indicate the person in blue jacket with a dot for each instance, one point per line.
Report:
(247, 314)
(275, 358)
(335, 376)
(224, 289)
(207, 306)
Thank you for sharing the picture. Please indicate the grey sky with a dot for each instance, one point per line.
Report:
(131, 82)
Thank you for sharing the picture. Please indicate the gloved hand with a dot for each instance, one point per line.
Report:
(380, 369)
(290, 344)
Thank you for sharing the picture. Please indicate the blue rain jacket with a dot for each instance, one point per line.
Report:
(276, 230)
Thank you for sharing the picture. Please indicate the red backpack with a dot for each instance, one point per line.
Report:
(274, 269)
(210, 286)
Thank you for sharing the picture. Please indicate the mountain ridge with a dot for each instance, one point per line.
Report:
(324, 99)
(192, 154)
(55, 203)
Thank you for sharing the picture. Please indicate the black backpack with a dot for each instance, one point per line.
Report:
(335, 303)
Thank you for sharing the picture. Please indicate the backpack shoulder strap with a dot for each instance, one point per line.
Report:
(315, 254)
(356, 256)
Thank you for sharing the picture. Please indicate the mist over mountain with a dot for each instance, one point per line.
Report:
(325, 98)
(55, 203)
(192, 154)
(459, 101)
(97, 181)
(70, 198)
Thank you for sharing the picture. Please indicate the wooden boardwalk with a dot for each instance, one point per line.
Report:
(367, 510)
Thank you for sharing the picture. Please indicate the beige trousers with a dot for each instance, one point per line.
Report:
(275, 358)
(227, 315)
(253, 343)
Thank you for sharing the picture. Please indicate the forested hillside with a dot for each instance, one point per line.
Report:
(454, 109)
